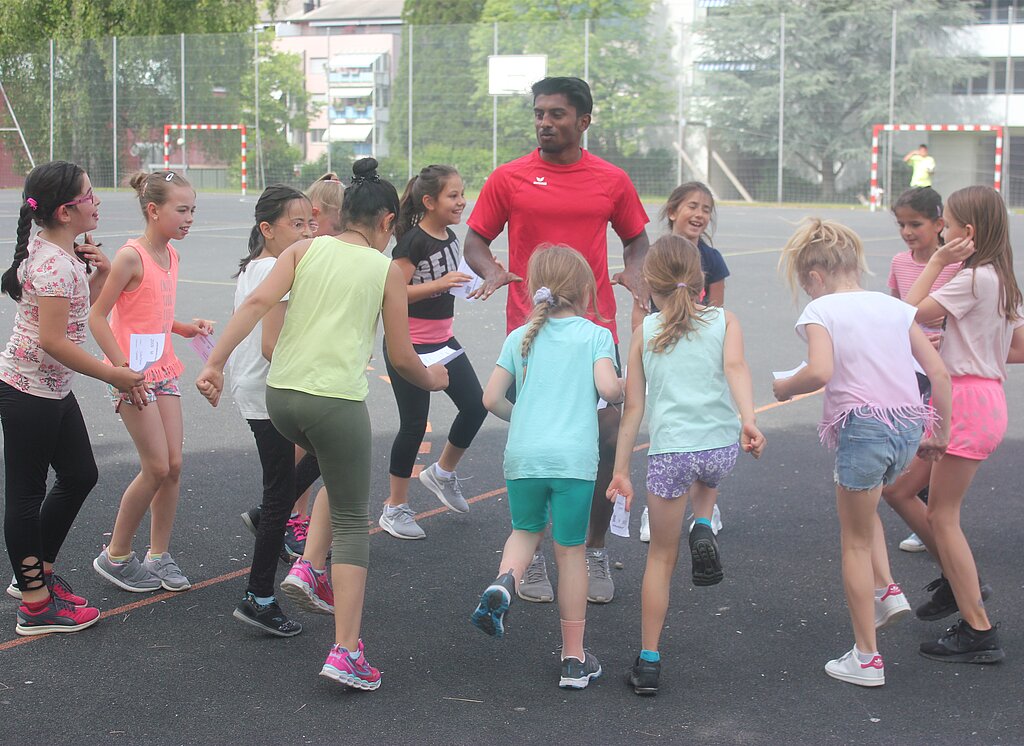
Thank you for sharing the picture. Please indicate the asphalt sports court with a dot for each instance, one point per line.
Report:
(743, 661)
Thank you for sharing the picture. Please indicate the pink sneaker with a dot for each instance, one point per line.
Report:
(58, 587)
(309, 590)
(357, 673)
(58, 616)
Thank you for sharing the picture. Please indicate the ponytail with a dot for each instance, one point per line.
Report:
(11, 284)
(256, 244)
(429, 182)
(409, 212)
(672, 271)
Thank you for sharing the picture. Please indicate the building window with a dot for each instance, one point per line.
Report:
(317, 135)
(317, 65)
(998, 11)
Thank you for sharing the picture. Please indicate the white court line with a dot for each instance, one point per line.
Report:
(207, 282)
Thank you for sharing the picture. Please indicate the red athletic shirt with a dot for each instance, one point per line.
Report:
(544, 202)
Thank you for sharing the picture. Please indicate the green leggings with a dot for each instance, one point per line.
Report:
(337, 432)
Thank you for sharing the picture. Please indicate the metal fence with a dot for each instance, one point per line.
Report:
(763, 107)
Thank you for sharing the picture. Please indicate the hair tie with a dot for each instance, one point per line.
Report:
(681, 285)
(543, 295)
(170, 175)
(31, 202)
(371, 177)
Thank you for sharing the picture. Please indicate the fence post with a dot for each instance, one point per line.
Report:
(494, 113)
(409, 133)
(586, 68)
(782, 100)
(1010, 20)
(51, 99)
(892, 107)
(262, 183)
(113, 115)
(184, 145)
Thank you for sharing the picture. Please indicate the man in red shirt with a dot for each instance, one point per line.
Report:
(562, 194)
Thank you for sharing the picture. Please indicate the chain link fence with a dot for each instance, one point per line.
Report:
(764, 107)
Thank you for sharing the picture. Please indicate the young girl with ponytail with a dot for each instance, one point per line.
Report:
(560, 363)
(53, 280)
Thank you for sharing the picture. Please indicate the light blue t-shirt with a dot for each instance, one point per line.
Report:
(553, 432)
(689, 404)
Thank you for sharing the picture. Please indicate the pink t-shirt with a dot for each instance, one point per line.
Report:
(47, 272)
(978, 336)
(872, 363)
(904, 271)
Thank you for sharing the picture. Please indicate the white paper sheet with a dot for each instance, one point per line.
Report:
(779, 374)
(463, 291)
(144, 350)
(203, 345)
(442, 356)
(620, 518)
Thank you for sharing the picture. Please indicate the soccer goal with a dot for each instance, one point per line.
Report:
(997, 173)
(168, 128)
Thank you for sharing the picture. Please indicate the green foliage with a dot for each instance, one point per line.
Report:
(441, 12)
(837, 58)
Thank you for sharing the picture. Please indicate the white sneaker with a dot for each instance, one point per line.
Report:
(913, 543)
(848, 668)
(891, 607)
(645, 527)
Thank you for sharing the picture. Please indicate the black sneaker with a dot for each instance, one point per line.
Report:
(707, 565)
(576, 674)
(268, 618)
(251, 519)
(644, 676)
(943, 603)
(964, 644)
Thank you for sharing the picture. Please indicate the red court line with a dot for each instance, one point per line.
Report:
(149, 600)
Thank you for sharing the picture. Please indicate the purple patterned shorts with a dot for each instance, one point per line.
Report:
(670, 475)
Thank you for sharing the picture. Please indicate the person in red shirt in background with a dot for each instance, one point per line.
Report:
(562, 194)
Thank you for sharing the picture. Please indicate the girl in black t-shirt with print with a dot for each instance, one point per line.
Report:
(428, 253)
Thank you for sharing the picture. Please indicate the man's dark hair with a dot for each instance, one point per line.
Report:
(576, 91)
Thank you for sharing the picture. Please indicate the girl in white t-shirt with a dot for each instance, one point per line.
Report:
(283, 216)
(984, 331)
(862, 347)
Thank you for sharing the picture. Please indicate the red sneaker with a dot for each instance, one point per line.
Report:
(58, 587)
(57, 616)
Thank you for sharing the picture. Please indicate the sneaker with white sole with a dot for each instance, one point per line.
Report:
(535, 586)
(913, 543)
(848, 668)
(447, 490)
(129, 575)
(308, 588)
(165, 568)
(600, 586)
(56, 616)
(401, 523)
(355, 672)
(891, 607)
(645, 527)
(576, 674)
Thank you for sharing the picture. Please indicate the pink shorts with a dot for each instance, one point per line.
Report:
(978, 423)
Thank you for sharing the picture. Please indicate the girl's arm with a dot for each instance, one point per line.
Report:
(53, 338)
(932, 448)
(198, 326)
(737, 373)
(716, 294)
(424, 290)
(1016, 346)
(395, 310)
(266, 295)
(126, 268)
(816, 373)
(629, 426)
(607, 381)
(494, 394)
(273, 322)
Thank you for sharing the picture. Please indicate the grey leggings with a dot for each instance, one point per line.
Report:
(337, 431)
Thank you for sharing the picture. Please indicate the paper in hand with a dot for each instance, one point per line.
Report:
(203, 345)
(620, 518)
(442, 356)
(463, 291)
(780, 374)
(144, 350)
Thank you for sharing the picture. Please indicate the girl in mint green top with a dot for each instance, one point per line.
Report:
(689, 361)
(337, 289)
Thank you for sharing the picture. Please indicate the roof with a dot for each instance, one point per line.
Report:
(350, 10)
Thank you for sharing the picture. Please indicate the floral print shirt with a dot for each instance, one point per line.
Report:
(47, 271)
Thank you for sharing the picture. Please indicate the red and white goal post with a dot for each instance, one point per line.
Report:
(167, 143)
(997, 175)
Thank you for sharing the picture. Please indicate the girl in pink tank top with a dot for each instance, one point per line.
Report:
(139, 298)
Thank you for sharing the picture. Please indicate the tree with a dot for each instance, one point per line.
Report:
(837, 57)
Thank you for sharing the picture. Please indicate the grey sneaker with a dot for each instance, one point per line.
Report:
(129, 575)
(165, 568)
(576, 674)
(401, 523)
(601, 588)
(447, 490)
(535, 586)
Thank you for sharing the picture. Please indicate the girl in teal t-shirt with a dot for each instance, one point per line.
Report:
(561, 363)
(687, 365)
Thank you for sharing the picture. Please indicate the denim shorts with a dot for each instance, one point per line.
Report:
(872, 453)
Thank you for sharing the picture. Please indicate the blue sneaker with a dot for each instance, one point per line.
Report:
(490, 613)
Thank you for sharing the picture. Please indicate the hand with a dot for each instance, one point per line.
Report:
(494, 281)
(620, 485)
(933, 448)
(632, 279)
(210, 384)
(935, 338)
(90, 252)
(125, 379)
(452, 280)
(955, 251)
(203, 327)
(139, 396)
(752, 440)
(438, 377)
(779, 388)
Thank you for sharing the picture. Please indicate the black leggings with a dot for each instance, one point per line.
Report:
(414, 406)
(40, 433)
(283, 483)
